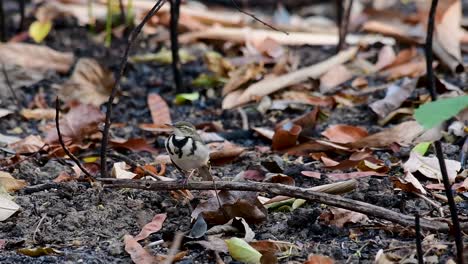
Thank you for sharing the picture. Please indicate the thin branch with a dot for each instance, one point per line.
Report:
(174, 30)
(123, 18)
(280, 189)
(22, 15)
(339, 21)
(72, 157)
(10, 87)
(343, 24)
(256, 18)
(417, 228)
(438, 148)
(2, 23)
(123, 64)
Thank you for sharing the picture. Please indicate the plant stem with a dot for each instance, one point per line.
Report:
(108, 40)
(175, 8)
(438, 148)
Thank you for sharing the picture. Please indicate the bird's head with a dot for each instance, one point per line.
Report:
(184, 129)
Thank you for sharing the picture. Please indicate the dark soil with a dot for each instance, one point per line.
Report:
(87, 223)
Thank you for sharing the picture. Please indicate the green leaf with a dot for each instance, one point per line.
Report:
(38, 31)
(184, 97)
(433, 113)
(164, 56)
(422, 148)
(298, 203)
(205, 80)
(242, 251)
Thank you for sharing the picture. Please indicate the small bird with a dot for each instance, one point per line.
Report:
(187, 150)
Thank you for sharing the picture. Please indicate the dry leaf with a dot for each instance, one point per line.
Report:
(222, 152)
(79, 122)
(403, 32)
(448, 30)
(7, 207)
(30, 144)
(5, 112)
(395, 96)
(154, 226)
(286, 136)
(90, 83)
(319, 259)
(334, 77)
(403, 57)
(413, 69)
(120, 171)
(312, 174)
(339, 217)
(386, 57)
(10, 184)
(429, 166)
(403, 134)
(138, 254)
(35, 57)
(344, 133)
(38, 113)
(242, 75)
(159, 110)
(408, 184)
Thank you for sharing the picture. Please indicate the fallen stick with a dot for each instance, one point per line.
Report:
(285, 190)
(273, 84)
(239, 35)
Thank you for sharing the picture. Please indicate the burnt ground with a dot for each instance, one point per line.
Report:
(87, 223)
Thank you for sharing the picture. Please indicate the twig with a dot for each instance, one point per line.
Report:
(10, 87)
(437, 144)
(22, 15)
(174, 247)
(339, 21)
(343, 26)
(174, 29)
(280, 189)
(417, 228)
(123, 18)
(2, 23)
(463, 154)
(256, 18)
(434, 203)
(244, 118)
(69, 154)
(115, 88)
(37, 227)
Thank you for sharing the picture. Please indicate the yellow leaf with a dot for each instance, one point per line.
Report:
(39, 30)
(242, 251)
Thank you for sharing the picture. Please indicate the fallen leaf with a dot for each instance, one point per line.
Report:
(319, 259)
(403, 134)
(186, 97)
(404, 56)
(334, 77)
(242, 75)
(38, 113)
(30, 144)
(305, 97)
(81, 121)
(39, 251)
(39, 30)
(159, 110)
(222, 152)
(154, 226)
(138, 254)
(90, 83)
(5, 112)
(339, 217)
(134, 144)
(353, 175)
(386, 57)
(286, 136)
(35, 57)
(409, 184)
(413, 69)
(235, 204)
(242, 251)
(429, 166)
(10, 184)
(395, 96)
(120, 171)
(9, 139)
(448, 30)
(312, 174)
(344, 133)
(7, 207)
(163, 56)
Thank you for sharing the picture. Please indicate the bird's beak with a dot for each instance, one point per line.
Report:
(169, 126)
